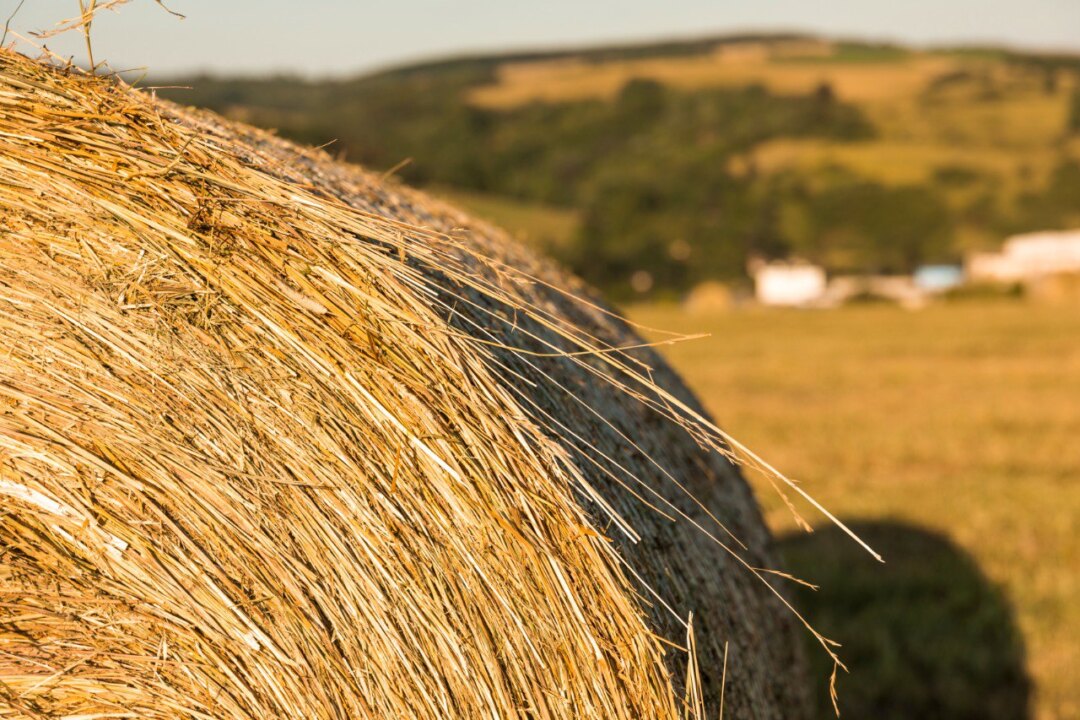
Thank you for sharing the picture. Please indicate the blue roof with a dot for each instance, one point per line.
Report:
(938, 277)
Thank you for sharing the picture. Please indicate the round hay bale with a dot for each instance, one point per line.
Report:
(280, 440)
(708, 297)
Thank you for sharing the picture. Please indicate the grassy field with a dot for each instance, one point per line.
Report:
(570, 79)
(898, 163)
(950, 437)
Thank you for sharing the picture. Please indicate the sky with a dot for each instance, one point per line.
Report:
(324, 37)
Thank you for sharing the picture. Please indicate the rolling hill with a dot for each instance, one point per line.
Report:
(683, 159)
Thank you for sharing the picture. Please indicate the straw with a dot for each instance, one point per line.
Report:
(281, 438)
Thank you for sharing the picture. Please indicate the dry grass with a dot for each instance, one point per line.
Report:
(279, 440)
(960, 420)
(897, 162)
(566, 80)
(1024, 121)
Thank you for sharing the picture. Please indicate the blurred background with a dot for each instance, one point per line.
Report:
(873, 208)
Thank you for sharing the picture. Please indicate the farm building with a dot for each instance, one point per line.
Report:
(793, 284)
(1027, 257)
(938, 278)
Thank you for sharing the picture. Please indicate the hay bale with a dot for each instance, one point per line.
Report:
(707, 298)
(1061, 288)
(280, 440)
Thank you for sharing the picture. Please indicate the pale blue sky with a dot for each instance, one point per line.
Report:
(319, 37)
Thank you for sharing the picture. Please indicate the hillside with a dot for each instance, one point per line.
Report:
(683, 159)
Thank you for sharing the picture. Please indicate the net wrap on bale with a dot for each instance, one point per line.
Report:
(279, 438)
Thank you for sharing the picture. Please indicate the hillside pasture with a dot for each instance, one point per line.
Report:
(569, 79)
(898, 163)
(1024, 120)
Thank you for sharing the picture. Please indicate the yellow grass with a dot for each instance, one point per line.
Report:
(1023, 121)
(960, 419)
(567, 79)
(897, 162)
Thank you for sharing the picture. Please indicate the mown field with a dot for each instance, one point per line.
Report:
(784, 66)
(949, 437)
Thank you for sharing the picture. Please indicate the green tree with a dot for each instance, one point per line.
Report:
(862, 226)
(1074, 113)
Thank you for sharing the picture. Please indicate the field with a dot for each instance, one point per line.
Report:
(949, 436)
(773, 65)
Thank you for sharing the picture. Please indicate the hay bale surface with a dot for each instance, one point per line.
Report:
(280, 439)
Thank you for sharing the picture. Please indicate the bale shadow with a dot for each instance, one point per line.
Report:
(925, 636)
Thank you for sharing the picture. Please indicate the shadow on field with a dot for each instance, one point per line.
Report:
(925, 636)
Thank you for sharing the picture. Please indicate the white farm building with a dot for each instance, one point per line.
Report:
(791, 284)
(1028, 257)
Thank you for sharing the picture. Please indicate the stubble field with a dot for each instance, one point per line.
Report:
(951, 438)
